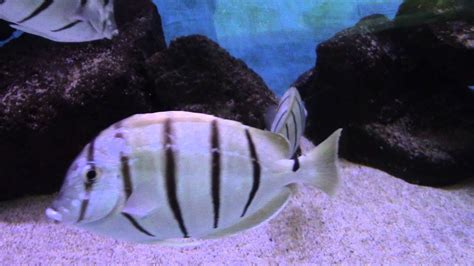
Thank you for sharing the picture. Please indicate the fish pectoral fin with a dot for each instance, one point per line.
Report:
(270, 210)
(142, 202)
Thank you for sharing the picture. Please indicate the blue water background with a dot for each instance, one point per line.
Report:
(275, 38)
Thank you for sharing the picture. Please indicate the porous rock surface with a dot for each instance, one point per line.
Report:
(195, 74)
(400, 90)
(55, 97)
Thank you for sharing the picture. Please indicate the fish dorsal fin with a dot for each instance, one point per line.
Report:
(266, 213)
(290, 119)
(142, 202)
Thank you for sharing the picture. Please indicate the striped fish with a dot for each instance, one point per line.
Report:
(62, 20)
(289, 119)
(161, 176)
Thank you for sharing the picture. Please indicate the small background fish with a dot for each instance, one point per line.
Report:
(62, 21)
(288, 118)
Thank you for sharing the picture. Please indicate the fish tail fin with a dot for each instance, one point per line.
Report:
(320, 166)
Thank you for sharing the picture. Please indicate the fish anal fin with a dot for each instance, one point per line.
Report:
(266, 213)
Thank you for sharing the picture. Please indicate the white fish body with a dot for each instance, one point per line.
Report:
(171, 175)
(62, 20)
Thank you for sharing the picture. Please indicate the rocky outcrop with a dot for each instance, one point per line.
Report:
(400, 90)
(196, 75)
(415, 12)
(55, 97)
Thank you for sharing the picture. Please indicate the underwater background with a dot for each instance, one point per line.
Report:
(275, 38)
(397, 76)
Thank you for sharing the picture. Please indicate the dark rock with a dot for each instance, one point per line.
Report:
(416, 12)
(55, 97)
(5, 30)
(196, 75)
(401, 93)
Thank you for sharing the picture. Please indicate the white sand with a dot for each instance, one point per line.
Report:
(374, 218)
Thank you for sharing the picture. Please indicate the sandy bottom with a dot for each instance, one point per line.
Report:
(374, 218)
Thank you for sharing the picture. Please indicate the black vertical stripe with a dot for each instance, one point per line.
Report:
(136, 224)
(68, 26)
(90, 151)
(256, 171)
(170, 174)
(279, 120)
(128, 188)
(37, 11)
(296, 130)
(83, 3)
(87, 183)
(287, 132)
(296, 163)
(127, 179)
(216, 171)
(82, 213)
(91, 163)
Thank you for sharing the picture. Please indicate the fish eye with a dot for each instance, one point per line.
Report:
(91, 173)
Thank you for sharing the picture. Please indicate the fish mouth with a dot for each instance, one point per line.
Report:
(54, 215)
